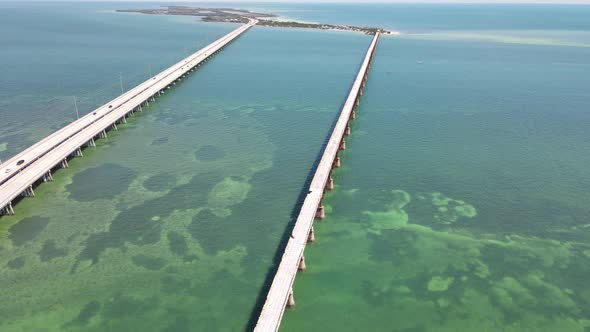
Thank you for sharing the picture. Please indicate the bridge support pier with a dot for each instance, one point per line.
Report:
(29, 192)
(320, 213)
(290, 299)
(337, 162)
(78, 153)
(140, 109)
(114, 126)
(311, 237)
(102, 134)
(353, 115)
(280, 295)
(91, 143)
(47, 177)
(330, 184)
(7, 210)
(124, 119)
(302, 266)
(64, 163)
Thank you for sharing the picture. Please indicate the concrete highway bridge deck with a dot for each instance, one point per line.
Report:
(19, 174)
(280, 294)
(35, 164)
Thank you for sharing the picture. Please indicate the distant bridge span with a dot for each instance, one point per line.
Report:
(280, 294)
(21, 172)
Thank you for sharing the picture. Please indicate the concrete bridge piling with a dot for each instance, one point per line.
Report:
(280, 294)
(34, 164)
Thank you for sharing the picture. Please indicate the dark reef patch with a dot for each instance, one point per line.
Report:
(209, 153)
(173, 284)
(160, 182)
(160, 141)
(149, 262)
(503, 261)
(210, 230)
(373, 295)
(136, 226)
(102, 182)
(396, 246)
(177, 243)
(51, 251)
(122, 306)
(27, 229)
(90, 310)
(16, 263)
(180, 324)
(214, 285)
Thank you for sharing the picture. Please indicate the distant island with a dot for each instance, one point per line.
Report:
(232, 15)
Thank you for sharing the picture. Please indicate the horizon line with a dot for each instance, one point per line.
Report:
(406, 2)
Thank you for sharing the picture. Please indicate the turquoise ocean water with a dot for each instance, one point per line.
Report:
(462, 202)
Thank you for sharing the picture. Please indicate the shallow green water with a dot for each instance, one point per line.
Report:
(462, 201)
(171, 223)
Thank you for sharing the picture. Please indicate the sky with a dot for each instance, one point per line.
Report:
(378, 1)
(348, 1)
(372, 1)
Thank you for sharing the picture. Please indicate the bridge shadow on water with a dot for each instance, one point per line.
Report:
(276, 260)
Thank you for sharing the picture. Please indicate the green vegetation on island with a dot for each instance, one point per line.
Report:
(231, 15)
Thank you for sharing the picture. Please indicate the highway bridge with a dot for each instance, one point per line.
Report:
(33, 165)
(19, 174)
(280, 294)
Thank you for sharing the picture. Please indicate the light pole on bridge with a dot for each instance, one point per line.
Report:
(76, 108)
(121, 81)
